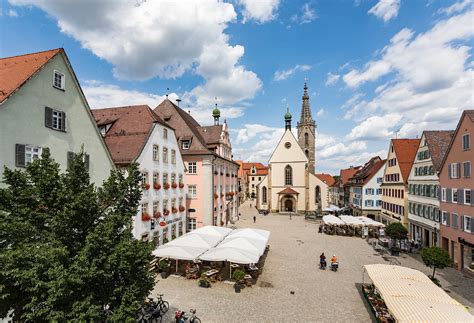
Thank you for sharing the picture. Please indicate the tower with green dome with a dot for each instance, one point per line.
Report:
(216, 113)
(288, 119)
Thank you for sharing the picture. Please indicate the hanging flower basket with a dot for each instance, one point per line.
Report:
(216, 173)
(216, 195)
(162, 223)
(174, 185)
(166, 186)
(157, 215)
(166, 212)
(174, 210)
(146, 186)
(181, 208)
(181, 185)
(227, 175)
(146, 217)
(222, 194)
(231, 193)
(222, 223)
(156, 186)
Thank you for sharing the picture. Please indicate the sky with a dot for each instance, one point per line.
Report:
(376, 69)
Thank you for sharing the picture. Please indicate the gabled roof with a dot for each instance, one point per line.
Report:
(248, 166)
(466, 113)
(17, 70)
(185, 127)
(438, 143)
(405, 149)
(347, 173)
(212, 134)
(365, 174)
(326, 178)
(288, 190)
(129, 132)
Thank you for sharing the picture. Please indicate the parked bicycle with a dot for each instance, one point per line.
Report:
(182, 317)
(152, 311)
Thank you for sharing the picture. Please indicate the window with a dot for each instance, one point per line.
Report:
(180, 178)
(444, 218)
(173, 178)
(156, 206)
(58, 80)
(467, 169)
(259, 178)
(144, 208)
(379, 191)
(103, 130)
(455, 195)
(165, 155)
(467, 196)
(443, 195)
(173, 156)
(264, 195)
(317, 194)
(191, 224)
(454, 170)
(156, 177)
(185, 144)
(306, 141)
(288, 175)
(454, 221)
(466, 142)
(25, 154)
(144, 178)
(55, 119)
(192, 168)
(156, 152)
(379, 180)
(467, 224)
(165, 133)
(165, 204)
(192, 191)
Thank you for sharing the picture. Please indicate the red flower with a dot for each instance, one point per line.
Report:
(146, 186)
(222, 223)
(174, 185)
(216, 195)
(162, 223)
(181, 208)
(156, 186)
(157, 215)
(166, 186)
(181, 185)
(222, 194)
(146, 217)
(174, 210)
(166, 212)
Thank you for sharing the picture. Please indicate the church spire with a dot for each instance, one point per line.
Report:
(305, 108)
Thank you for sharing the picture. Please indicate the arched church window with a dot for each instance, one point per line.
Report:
(306, 139)
(307, 153)
(317, 190)
(288, 175)
(264, 195)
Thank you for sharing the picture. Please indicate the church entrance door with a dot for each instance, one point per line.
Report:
(289, 205)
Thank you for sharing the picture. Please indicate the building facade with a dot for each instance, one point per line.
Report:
(343, 189)
(457, 192)
(423, 188)
(365, 189)
(42, 106)
(135, 134)
(211, 174)
(307, 131)
(401, 155)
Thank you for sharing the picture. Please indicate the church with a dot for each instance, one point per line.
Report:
(291, 184)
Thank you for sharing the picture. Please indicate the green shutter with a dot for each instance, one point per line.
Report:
(48, 117)
(20, 155)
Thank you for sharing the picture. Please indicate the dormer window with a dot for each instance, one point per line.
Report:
(165, 133)
(58, 80)
(103, 130)
(185, 144)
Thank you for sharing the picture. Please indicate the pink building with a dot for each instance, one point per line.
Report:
(211, 174)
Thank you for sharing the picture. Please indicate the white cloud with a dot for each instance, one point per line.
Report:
(341, 149)
(386, 9)
(283, 75)
(321, 112)
(456, 7)
(261, 11)
(12, 13)
(250, 131)
(333, 165)
(165, 39)
(375, 128)
(332, 78)
(307, 15)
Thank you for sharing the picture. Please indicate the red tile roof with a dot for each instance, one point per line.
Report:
(405, 149)
(368, 171)
(248, 166)
(438, 143)
(326, 178)
(131, 127)
(288, 190)
(17, 70)
(347, 173)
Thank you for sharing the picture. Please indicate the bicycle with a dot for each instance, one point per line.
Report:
(164, 305)
(182, 317)
(152, 311)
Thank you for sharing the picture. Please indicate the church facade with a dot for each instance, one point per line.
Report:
(291, 184)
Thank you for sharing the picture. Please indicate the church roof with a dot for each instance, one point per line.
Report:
(288, 190)
(305, 108)
(326, 178)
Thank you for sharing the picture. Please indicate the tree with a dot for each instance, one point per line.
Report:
(396, 231)
(435, 257)
(66, 247)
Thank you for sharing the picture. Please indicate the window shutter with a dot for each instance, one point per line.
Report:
(48, 117)
(87, 161)
(462, 223)
(472, 198)
(458, 173)
(448, 219)
(20, 155)
(460, 196)
(438, 189)
(63, 124)
(70, 157)
(449, 195)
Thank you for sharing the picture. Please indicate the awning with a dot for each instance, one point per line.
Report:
(196, 240)
(178, 252)
(246, 244)
(230, 254)
(288, 191)
(250, 233)
(331, 219)
(369, 221)
(411, 296)
(351, 220)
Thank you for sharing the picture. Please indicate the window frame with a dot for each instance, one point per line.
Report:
(185, 144)
(192, 168)
(468, 136)
(192, 191)
(62, 87)
(470, 197)
(156, 152)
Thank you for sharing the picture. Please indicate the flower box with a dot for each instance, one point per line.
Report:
(146, 186)
(156, 186)
(222, 223)
(166, 186)
(222, 194)
(216, 173)
(181, 208)
(157, 215)
(181, 185)
(146, 217)
(166, 212)
(216, 195)
(174, 185)
(162, 223)
(174, 210)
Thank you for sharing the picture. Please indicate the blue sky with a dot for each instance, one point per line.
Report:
(376, 69)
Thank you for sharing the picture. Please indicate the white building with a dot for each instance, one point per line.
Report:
(137, 134)
(423, 187)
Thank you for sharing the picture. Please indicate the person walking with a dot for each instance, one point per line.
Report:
(254, 219)
(290, 215)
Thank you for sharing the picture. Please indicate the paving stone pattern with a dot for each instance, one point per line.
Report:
(292, 288)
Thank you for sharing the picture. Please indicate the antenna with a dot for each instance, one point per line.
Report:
(178, 100)
(167, 90)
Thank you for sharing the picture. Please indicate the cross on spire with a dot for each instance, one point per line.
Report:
(305, 108)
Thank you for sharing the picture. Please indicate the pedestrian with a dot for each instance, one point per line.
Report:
(290, 215)
(250, 205)
(238, 216)
(254, 219)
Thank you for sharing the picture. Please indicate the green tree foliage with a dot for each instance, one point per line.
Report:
(66, 247)
(435, 257)
(396, 231)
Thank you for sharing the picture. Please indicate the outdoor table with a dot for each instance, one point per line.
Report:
(253, 268)
(248, 277)
(234, 266)
(211, 272)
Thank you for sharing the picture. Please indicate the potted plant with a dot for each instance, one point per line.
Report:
(156, 186)
(166, 212)
(174, 185)
(166, 186)
(181, 185)
(222, 223)
(216, 195)
(222, 194)
(145, 217)
(173, 237)
(146, 186)
(165, 240)
(157, 215)
(181, 208)
(204, 281)
(215, 173)
(174, 210)
(238, 276)
(163, 224)
(163, 266)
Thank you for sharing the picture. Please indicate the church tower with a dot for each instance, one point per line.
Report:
(307, 131)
